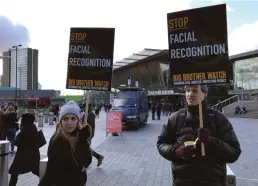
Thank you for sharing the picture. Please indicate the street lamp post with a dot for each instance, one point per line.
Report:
(16, 71)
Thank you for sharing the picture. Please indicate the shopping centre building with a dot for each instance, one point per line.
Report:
(151, 68)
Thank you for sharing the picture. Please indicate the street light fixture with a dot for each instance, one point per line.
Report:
(16, 70)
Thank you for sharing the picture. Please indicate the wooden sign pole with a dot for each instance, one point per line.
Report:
(201, 120)
(86, 108)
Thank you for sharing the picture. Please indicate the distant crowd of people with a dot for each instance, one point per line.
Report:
(240, 111)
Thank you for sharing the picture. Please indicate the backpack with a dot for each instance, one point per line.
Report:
(181, 118)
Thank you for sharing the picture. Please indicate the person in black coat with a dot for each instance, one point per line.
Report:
(10, 120)
(69, 151)
(189, 167)
(27, 157)
(153, 109)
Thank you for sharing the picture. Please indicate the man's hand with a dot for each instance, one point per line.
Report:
(204, 136)
(185, 151)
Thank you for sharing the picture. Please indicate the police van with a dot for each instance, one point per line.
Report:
(133, 103)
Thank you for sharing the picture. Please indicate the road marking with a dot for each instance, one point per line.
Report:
(247, 179)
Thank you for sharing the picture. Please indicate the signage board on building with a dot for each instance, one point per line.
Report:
(160, 92)
(90, 59)
(198, 46)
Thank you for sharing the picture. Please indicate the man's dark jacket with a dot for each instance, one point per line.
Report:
(209, 170)
(91, 121)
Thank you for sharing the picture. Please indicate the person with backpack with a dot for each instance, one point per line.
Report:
(189, 167)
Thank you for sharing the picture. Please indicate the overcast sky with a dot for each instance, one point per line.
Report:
(45, 25)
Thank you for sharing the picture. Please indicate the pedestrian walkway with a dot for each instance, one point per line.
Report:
(131, 160)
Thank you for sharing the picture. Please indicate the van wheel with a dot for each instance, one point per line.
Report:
(137, 125)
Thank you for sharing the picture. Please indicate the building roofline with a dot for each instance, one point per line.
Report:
(133, 58)
(244, 55)
(123, 65)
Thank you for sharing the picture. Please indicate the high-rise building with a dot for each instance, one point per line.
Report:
(27, 69)
(5, 80)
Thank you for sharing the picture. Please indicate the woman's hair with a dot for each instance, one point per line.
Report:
(9, 109)
(1, 111)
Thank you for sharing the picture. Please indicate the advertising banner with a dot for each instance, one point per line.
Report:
(114, 122)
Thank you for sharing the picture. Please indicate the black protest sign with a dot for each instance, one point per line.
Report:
(90, 59)
(198, 46)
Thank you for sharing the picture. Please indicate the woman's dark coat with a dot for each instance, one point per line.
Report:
(62, 169)
(27, 157)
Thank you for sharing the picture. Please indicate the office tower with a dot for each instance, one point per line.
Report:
(27, 68)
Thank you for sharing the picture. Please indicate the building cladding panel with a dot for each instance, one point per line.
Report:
(27, 72)
(5, 80)
(29, 69)
(35, 54)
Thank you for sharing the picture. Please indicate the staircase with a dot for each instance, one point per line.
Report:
(254, 96)
(231, 103)
(251, 106)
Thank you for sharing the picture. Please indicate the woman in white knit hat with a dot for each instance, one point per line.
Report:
(69, 152)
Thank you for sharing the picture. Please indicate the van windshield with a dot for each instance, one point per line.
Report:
(125, 102)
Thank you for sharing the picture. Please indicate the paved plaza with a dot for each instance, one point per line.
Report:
(134, 159)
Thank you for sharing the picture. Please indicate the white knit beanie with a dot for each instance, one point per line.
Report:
(70, 109)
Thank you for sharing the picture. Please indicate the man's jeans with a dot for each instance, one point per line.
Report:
(94, 154)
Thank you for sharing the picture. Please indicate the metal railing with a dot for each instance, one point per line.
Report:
(253, 95)
(228, 101)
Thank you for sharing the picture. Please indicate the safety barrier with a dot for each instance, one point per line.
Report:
(231, 177)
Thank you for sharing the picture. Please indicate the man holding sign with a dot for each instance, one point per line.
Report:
(181, 137)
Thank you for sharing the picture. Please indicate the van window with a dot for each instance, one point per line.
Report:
(127, 94)
(125, 102)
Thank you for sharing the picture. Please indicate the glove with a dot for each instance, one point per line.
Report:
(204, 136)
(185, 151)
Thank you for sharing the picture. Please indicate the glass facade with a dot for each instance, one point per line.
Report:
(246, 73)
(22, 59)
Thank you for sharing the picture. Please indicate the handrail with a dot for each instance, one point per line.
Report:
(253, 95)
(255, 92)
(228, 100)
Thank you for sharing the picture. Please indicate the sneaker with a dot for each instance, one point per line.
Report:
(100, 160)
(12, 153)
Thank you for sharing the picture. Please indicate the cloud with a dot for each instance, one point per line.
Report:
(216, 1)
(243, 38)
(229, 9)
(12, 34)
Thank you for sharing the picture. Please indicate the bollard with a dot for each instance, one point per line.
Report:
(4, 152)
(42, 167)
(40, 119)
(45, 117)
(51, 118)
(36, 116)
